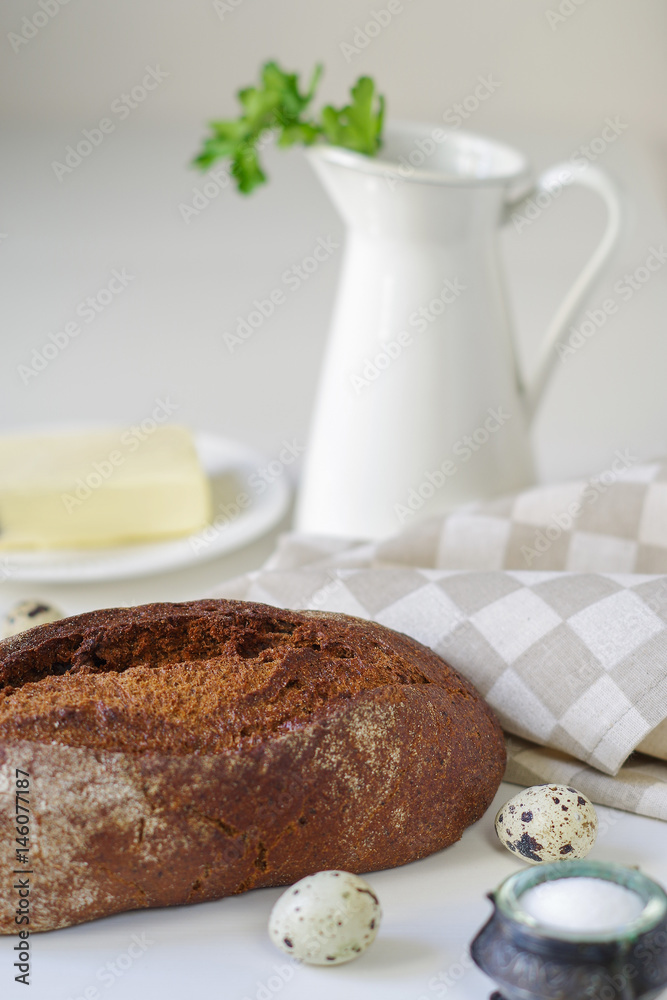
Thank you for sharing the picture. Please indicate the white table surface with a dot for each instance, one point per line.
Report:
(163, 336)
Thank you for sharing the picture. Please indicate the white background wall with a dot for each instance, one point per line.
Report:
(558, 82)
(606, 57)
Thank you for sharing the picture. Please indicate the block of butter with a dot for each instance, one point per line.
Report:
(100, 488)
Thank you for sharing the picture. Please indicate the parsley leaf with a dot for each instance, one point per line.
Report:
(356, 126)
(278, 106)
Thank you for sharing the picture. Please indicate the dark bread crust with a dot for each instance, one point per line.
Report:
(184, 752)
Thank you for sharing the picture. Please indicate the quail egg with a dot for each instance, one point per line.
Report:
(548, 823)
(326, 919)
(27, 614)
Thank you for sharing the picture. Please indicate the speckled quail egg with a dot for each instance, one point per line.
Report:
(326, 919)
(548, 823)
(27, 614)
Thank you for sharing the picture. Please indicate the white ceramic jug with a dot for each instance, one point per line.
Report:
(421, 406)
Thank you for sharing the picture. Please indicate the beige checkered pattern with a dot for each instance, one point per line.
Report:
(640, 786)
(613, 522)
(571, 653)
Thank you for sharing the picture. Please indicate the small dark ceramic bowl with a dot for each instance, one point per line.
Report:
(532, 962)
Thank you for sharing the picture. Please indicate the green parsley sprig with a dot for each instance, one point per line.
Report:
(278, 106)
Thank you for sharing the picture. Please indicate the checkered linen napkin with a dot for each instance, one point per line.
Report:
(552, 602)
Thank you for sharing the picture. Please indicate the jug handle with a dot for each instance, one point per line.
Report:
(553, 179)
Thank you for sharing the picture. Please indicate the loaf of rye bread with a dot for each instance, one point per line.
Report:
(186, 752)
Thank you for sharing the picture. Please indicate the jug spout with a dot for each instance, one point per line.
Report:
(459, 186)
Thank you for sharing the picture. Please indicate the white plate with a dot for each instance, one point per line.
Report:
(229, 466)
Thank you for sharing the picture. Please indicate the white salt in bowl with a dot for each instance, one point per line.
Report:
(573, 930)
(582, 900)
